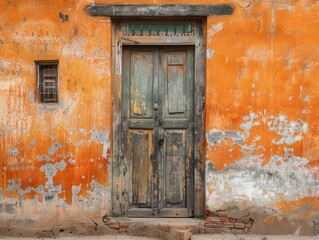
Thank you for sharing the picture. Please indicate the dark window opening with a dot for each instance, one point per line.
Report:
(47, 82)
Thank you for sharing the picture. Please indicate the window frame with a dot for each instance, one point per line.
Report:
(39, 80)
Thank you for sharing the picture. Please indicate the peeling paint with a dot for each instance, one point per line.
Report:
(13, 151)
(50, 171)
(290, 131)
(54, 148)
(103, 138)
(31, 96)
(210, 53)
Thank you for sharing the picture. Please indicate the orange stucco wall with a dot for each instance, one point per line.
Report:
(261, 111)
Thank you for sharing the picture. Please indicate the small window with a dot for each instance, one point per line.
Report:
(47, 82)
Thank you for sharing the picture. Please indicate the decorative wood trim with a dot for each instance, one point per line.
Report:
(158, 10)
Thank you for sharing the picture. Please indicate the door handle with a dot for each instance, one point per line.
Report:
(155, 106)
(161, 141)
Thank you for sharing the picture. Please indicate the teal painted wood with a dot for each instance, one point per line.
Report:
(141, 167)
(157, 121)
(141, 83)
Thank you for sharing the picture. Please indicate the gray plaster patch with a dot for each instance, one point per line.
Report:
(83, 131)
(33, 142)
(13, 151)
(103, 138)
(290, 131)
(79, 143)
(75, 191)
(54, 148)
(31, 96)
(50, 171)
(13, 184)
(9, 208)
(1, 194)
(306, 99)
(99, 136)
(46, 158)
(215, 137)
(72, 161)
(0, 135)
(250, 121)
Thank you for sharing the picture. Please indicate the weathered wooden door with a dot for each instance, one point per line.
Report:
(158, 130)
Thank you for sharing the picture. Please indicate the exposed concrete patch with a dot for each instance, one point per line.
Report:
(250, 183)
(103, 138)
(50, 171)
(290, 131)
(54, 148)
(13, 151)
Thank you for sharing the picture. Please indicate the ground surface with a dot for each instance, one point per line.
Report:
(194, 237)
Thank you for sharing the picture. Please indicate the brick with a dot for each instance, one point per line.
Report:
(124, 226)
(223, 213)
(110, 222)
(239, 225)
(213, 219)
(214, 224)
(228, 224)
(224, 219)
(113, 226)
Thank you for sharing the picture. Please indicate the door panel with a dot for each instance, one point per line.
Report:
(141, 166)
(175, 177)
(141, 79)
(157, 130)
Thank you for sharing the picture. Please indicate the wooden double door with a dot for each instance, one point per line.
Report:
(158, 130)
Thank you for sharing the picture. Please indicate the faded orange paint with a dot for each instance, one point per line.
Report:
(262, 69)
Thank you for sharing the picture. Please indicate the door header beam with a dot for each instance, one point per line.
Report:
(158, 10)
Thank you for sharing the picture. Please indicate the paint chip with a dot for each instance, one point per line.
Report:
(13, 151)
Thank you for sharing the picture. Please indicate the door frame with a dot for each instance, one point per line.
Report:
(120, 198)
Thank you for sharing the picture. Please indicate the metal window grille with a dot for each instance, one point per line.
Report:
(161, 27)
(47, 82)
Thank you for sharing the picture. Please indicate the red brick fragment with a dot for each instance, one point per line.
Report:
(224, 219)
(213, 219)
(124, 226)
(113, 226)
(223, 213)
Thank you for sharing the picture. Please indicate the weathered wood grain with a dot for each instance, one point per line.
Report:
(159, 10)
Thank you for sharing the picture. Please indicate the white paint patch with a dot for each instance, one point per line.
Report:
(213, 30)
(258, 55)
(210, 53)
(306, 99)
(290, 131)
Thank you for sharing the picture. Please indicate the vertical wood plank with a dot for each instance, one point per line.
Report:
(140, 154)
(116, 168)
(141, 84)
(200, 76)
(175, 167)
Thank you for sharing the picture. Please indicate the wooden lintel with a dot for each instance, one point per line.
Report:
(159, 10)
